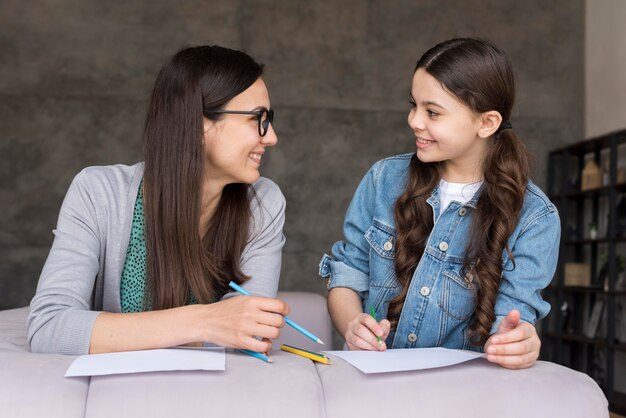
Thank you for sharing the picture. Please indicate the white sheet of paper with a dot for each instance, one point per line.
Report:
(183, 358)
(404, 359)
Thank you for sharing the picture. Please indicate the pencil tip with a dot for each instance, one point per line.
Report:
(320, 341)
(270, 360)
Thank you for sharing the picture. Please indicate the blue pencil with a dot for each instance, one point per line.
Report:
(255, 354)
(289, 322)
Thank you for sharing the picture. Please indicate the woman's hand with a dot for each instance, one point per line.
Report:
(235, 322)
(515, 345)
(362, 331)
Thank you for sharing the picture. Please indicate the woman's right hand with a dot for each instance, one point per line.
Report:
(362, 331)
(235, 322)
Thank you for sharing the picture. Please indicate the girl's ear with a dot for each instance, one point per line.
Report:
(489, 123)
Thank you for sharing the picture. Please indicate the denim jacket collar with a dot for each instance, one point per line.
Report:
(434, 201)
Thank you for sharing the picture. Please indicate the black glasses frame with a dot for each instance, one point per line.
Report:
(263, 126)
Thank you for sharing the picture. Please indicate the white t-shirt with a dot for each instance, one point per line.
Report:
(458, 192)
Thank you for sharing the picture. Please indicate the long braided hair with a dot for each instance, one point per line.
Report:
(481, 76)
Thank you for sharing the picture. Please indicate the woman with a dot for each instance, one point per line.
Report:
(449, 245)
(143, 254)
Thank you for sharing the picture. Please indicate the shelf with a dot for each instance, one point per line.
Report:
(592, 144)
(580, 206)
(592, 241)
(598, 191)
(580, 289)
(585, 289)
(577, 289)
(575, 338)
(618, 403)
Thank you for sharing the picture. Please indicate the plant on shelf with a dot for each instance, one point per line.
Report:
(620, 263)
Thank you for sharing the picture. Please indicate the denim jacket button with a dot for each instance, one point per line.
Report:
(425, 291)
(462, 211)
(443, 246)
(388, 246)
(412, 337)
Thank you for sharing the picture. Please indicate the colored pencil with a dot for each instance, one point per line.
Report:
(373, 313)
(319, 357)
(260, 356)
(289, 321)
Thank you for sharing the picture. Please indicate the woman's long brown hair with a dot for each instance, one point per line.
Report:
(180, 262)
(481, 76)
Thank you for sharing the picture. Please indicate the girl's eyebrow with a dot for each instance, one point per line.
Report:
(427, 102)
(430, 103)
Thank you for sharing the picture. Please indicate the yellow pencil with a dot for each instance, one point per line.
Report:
(319, 357)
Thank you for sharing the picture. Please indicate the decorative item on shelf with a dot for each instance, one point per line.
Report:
(591, 327)
(603, 276)
(621, 175)
(566, 318)
(606, 173)
(593, 230)
(620, 284)
(573, 185)
(620, 216)
(591, 176)
(577, 274)
(571, 232)
(620, 319)
(598, 372)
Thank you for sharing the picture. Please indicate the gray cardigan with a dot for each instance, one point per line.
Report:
(81, 277)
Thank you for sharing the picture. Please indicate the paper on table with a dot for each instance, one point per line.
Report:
(208, 358)
(404, 359)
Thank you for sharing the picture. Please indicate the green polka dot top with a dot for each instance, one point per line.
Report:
(133, 281)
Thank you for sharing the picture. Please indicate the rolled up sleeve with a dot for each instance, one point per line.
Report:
(348, 266)
(536, 252)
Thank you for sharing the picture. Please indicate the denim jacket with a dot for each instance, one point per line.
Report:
(440, 301)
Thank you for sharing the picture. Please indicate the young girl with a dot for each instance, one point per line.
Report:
(143, 254)
(450, 245)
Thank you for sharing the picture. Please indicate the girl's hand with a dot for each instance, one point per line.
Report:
(235, 322)
(362, 332)
(515, 345)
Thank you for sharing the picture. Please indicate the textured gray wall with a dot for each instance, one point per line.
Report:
(75, 76)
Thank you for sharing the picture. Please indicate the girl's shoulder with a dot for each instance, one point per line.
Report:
(391, 168)
(537, 200)
(537, 207)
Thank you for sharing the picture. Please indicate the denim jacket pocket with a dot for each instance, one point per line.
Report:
(458, 292)
(382, 241)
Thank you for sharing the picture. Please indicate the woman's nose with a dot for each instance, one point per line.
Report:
(270, 137)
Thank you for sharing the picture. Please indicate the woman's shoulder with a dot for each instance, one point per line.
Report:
(118, 176)
(267, 197)
(108, 188)
(266, 188)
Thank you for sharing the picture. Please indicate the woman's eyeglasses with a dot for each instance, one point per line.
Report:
(264, 116)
